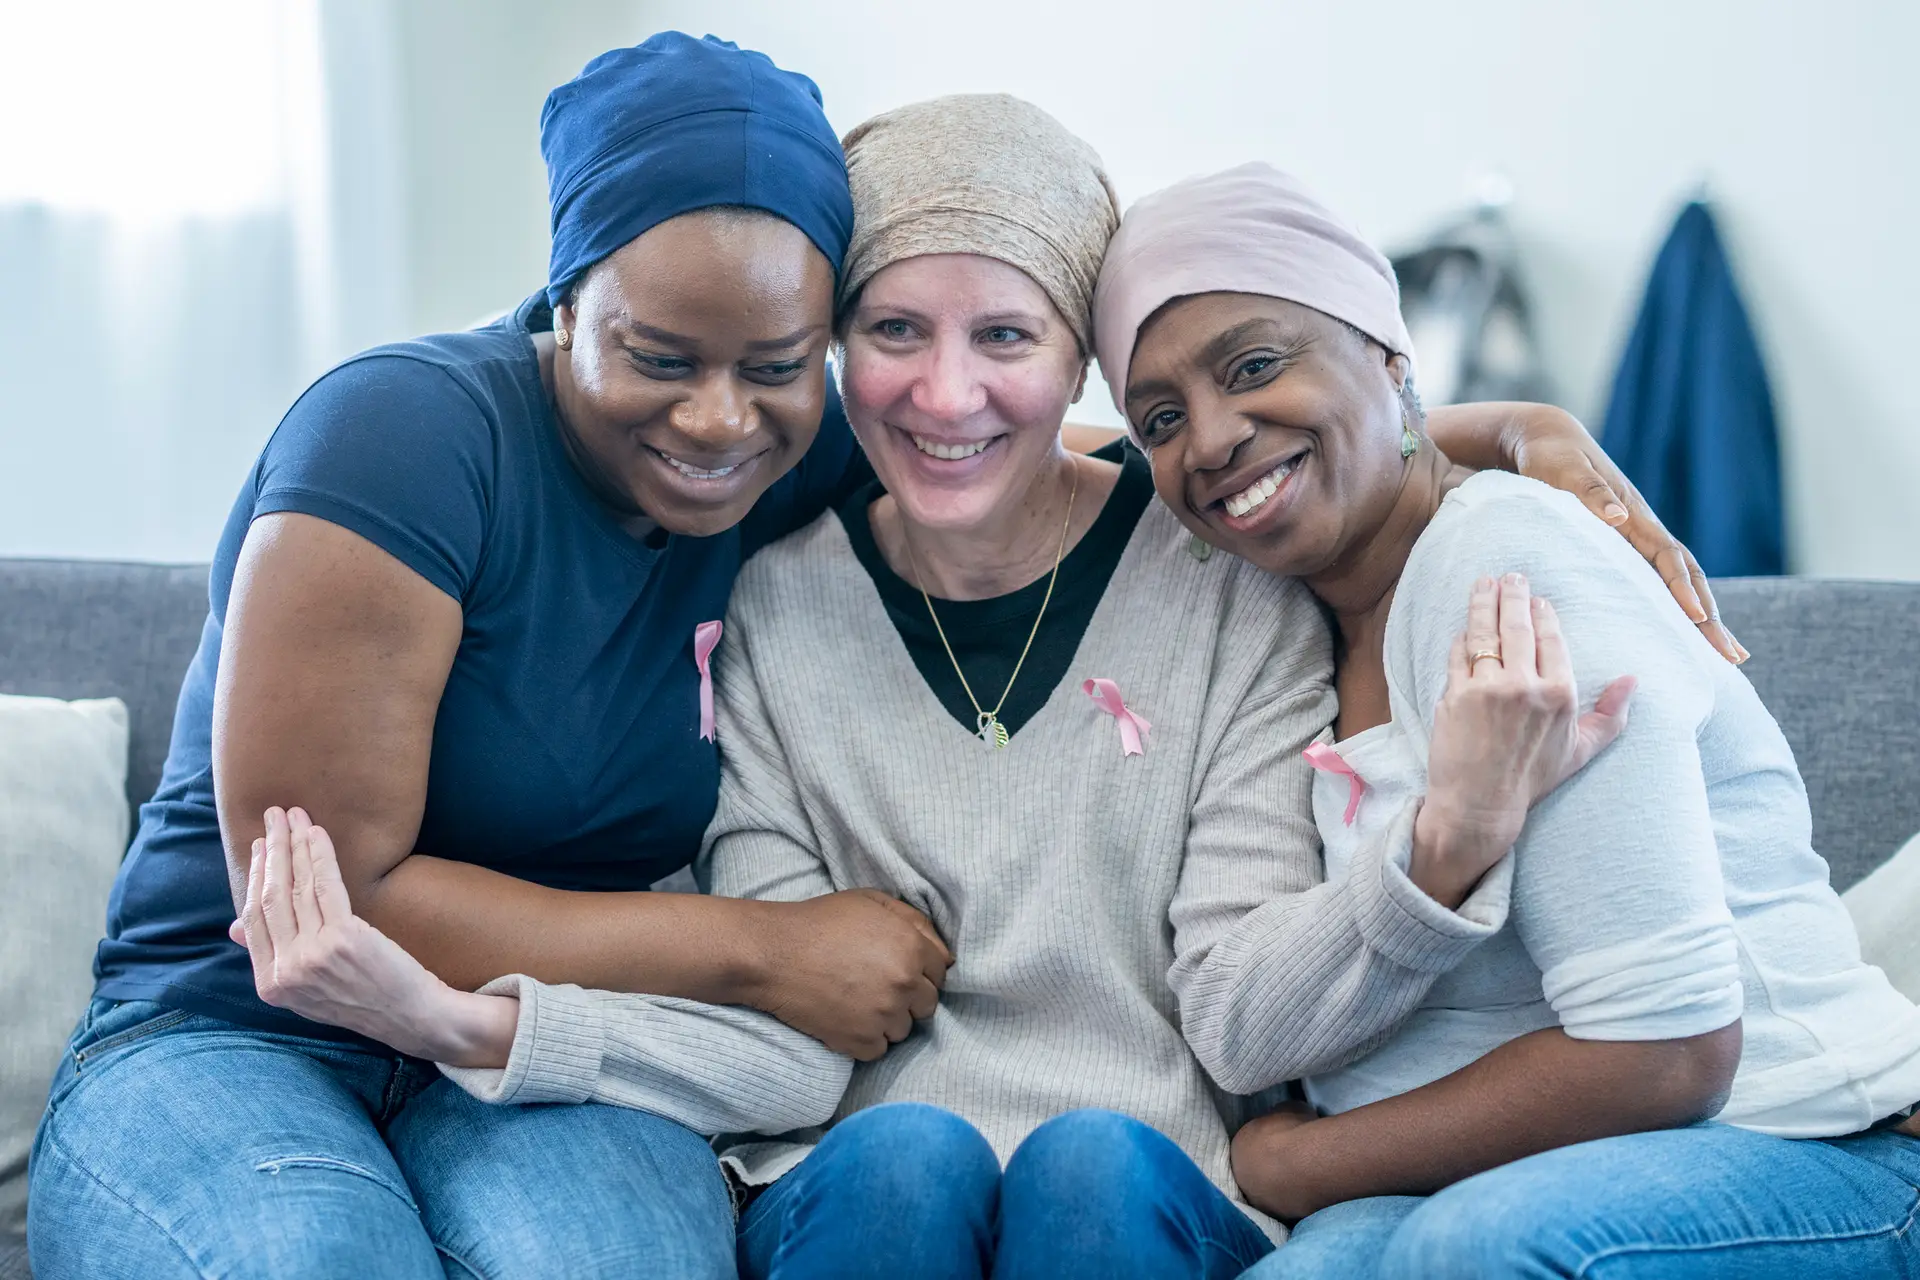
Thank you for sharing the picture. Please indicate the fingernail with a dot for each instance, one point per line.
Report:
(1515, 579)
(298, 814)
(259, 847)
(1615, 513)
(1485, 584)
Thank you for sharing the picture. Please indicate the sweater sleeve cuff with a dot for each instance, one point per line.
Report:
(559, 1045)
(1399, 920)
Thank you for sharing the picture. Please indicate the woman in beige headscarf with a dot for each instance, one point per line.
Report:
(1004, 686)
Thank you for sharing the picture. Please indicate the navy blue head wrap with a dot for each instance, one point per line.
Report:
(677, 124)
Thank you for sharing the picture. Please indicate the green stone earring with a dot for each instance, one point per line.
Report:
(1409, 442)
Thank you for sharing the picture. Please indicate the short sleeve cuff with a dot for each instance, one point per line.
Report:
(1682, 982)
(389, 537)
(1398, 919)
(559, 1045)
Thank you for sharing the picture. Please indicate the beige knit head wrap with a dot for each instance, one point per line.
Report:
(986, 174)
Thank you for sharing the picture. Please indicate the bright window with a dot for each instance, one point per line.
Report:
(146, 110)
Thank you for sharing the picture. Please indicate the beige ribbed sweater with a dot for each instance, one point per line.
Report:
(1051, 867)
(1079, 889)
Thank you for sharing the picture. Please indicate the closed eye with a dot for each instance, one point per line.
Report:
(777, 374)
(659, 366)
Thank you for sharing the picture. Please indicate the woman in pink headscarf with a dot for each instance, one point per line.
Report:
(1574, 987)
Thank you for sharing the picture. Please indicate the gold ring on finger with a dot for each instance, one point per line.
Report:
(1473, 659)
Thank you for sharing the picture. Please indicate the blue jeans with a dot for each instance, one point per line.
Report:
(178, 1145)
(1707, 1201)
(912, 1190)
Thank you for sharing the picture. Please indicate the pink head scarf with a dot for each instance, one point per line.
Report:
(1248, 230)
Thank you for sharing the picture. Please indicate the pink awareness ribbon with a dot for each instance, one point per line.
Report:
(705, 637)
(1133, 725)
(1327, 760)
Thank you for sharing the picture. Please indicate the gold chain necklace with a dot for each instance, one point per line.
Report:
(990, 729)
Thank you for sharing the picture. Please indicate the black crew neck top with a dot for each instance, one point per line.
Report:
(987, 635)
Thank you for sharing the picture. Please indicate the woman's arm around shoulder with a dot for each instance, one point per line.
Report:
(1550, 445)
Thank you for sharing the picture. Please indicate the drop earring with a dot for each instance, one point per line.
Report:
(1409, 442)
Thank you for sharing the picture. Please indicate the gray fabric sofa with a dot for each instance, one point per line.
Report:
(1836, 662)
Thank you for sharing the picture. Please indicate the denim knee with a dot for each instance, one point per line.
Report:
(1466, 1237)
(908, 1155)
(578, 1189)
(1096, 1154)
(1095, 1193)
(1341, 1242)
(896, 1190)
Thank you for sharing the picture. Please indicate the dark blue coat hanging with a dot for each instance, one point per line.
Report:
(1691, 419)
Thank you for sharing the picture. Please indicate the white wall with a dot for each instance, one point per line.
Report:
(1799, 118)
(146, 355)
(476, 74)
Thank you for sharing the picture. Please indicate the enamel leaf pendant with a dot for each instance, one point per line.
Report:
(992, 732)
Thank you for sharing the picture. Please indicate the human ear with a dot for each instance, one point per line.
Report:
(1399, 368)
(1080, 386)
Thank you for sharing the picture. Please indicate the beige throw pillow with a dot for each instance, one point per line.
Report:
(63, 828)
(1886, 910)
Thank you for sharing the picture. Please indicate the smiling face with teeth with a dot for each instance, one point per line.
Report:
(956, 373)
(1274, 429)
(696, 372)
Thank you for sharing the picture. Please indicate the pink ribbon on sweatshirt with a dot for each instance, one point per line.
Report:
(1327, 760)
(1133, 725)
(705, 637)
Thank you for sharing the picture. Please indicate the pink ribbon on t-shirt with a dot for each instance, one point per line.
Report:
(1133, 725)
(1327, 760)
(705, 637)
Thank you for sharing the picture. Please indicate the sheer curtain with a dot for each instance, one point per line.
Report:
(199, 211)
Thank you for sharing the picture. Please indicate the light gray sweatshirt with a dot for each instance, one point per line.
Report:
(1066, 876)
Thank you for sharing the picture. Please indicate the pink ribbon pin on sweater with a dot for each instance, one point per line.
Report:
(1327, 760)
(705, 637)
(1133, 725)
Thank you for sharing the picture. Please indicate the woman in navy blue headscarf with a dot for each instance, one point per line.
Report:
(454, 614)
(463, 612)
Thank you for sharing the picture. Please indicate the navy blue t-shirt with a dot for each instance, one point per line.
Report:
(566, 750)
